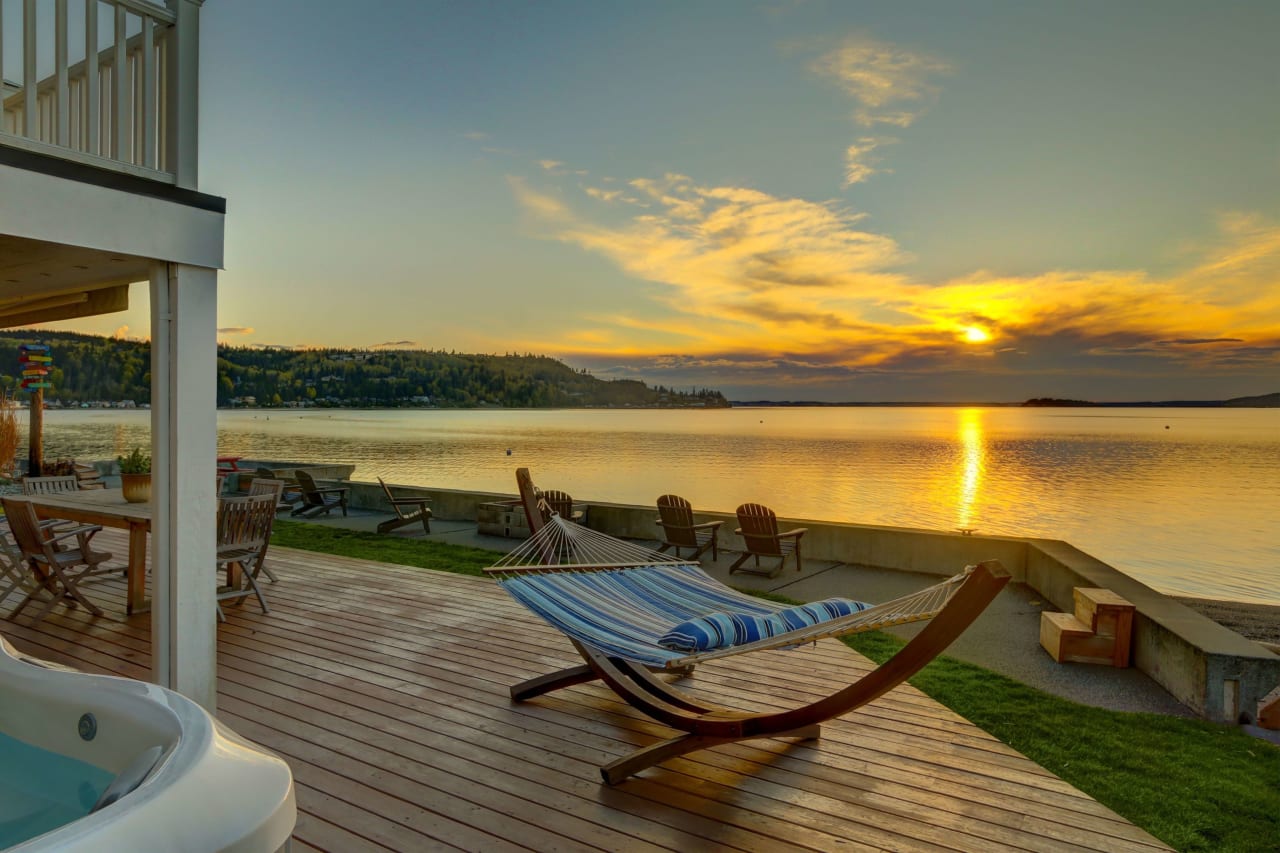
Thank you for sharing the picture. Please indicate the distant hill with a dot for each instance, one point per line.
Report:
(89, 368)
(1054, 401)
(1265, 401)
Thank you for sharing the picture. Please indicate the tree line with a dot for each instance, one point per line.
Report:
(88, 368)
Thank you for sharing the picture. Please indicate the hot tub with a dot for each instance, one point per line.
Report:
(161, 772)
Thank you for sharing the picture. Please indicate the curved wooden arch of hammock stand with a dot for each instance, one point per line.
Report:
(704, 725)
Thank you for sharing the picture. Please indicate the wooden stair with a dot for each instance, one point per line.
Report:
(1269, 710)
(1100, 630)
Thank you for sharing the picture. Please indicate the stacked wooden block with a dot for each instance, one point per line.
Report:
(1269, 710)
(1099, 631)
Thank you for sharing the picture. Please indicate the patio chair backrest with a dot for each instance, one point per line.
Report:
(759, 527)
(676, 517)
(246, 521)
(262, 486)
(50, 485)
(27, 533)
(561, 503)
(310, 491)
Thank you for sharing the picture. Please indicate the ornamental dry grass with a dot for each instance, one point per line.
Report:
(10, 438)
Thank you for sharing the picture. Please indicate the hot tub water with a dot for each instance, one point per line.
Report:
(42, 790)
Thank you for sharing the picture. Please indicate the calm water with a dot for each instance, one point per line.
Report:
(1187, 500)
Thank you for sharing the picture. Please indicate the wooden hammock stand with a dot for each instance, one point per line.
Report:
(702, 725)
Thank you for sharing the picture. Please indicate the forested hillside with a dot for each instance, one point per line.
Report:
(90, 368)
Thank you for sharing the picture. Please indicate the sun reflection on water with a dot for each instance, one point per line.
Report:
(973, 463)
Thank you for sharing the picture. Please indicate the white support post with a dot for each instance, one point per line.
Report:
(182, 93)
(184, 448)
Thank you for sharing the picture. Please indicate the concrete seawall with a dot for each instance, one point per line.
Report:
(1211, 669)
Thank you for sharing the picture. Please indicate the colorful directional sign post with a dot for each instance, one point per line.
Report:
(37, 366)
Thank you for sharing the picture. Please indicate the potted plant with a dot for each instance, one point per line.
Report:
(135, 476)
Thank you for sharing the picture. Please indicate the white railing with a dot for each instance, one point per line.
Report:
(102, 82)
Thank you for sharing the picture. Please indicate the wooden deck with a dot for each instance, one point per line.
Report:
(385, 688)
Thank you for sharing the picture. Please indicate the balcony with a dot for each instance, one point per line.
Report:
(104, 83)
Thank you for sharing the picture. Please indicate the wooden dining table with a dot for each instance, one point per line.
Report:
(108, 508)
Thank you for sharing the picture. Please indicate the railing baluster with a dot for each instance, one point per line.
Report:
(116, 104)
(148, 92)
(120, 101)
(2, 123)
(62, 125)
(29, 114)
(92, 79)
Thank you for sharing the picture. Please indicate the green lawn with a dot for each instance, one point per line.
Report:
(1195, 785)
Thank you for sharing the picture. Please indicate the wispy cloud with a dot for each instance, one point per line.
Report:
(889, 84)
(235, 330)
(881, 77)
(860, 159)
(396, 345)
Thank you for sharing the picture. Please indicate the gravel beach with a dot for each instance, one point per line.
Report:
(1259, 622)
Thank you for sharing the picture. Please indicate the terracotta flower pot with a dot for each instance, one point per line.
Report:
(136, 487)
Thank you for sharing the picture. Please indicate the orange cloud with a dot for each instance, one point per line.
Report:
(746, 277)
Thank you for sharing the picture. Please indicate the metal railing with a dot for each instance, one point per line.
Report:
(101, 82)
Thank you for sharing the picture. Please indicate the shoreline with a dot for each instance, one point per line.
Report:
(1258, 622)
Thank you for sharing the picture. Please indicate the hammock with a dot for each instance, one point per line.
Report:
(613, 599)
(621, 599)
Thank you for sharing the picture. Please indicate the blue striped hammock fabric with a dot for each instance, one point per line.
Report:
(670, 614)
(626, 613)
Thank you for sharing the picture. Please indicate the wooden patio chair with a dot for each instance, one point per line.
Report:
(675, 517)
(57, 569)
(408, 510)
(50, 485)
(14, 572)
(316, 500)
(274, 488)
(244, 532)
(758, 527)
(652, 614)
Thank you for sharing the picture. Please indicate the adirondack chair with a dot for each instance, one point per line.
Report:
(317, 501)
(758, 527)
(408, 510)
(57, 569)
(561, 503)
(289, 495)
(675, 517)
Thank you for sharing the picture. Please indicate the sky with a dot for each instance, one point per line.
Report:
(787, 199)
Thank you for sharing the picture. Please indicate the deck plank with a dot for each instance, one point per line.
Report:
(385, 688)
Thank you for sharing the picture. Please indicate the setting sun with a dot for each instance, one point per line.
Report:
(976, 335)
